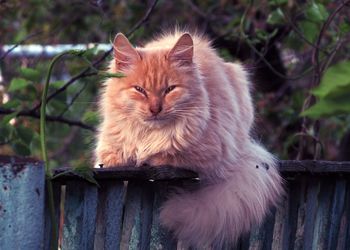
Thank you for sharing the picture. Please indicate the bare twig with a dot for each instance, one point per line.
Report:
(244, 36)
(299, 33)
(143, 19)
(86, 72)
(34, 114)
(73, 100)
(318, 71)
(3, 56)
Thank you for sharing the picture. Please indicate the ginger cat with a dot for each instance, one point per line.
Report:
(180, 104)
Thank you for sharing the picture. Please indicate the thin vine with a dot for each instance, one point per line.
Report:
(48, 170)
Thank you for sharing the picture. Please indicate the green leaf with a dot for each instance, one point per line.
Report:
(309, 29)
(111, 75)
(20, 148)
(276, 17)
(333, 92)
(277, 2)
(316, 12)
(57, 106)
(264, 35)
(86, 173)
(344, 28)
(5, 132)
(330, 106)
(25, 134)
(7, 118)
(11, 104)
(335, 77)
(30, 74)
(17, 84)
(91, 117)
(57, 84)
(335, 102)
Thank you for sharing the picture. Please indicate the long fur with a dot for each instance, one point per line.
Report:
(205, 124)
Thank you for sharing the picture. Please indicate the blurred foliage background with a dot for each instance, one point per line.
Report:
(297, 53)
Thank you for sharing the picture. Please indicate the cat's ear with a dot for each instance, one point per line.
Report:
(182, 51)
(124, 53)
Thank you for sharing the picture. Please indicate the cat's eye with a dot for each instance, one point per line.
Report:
(141, 90)
(169, 89)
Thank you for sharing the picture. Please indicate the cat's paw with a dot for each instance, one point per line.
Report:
(159, 160)
(110, 160)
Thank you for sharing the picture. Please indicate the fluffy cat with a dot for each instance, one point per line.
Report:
(180, 104)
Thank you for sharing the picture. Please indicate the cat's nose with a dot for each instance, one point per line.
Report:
(155, 109)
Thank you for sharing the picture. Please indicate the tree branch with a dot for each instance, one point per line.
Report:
(3, 56)
(34, 114)
(86, 72)
(318, 71)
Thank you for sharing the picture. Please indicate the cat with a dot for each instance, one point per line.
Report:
(180, 104)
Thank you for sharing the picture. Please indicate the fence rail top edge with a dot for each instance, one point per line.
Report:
(286, 167)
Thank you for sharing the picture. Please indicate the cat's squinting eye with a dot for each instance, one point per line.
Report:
(141, 90)
(169, 89)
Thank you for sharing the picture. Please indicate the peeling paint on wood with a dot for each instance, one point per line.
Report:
(109, 215)
(79, 216)
(315, 214)
(48, 226)
(21, 205)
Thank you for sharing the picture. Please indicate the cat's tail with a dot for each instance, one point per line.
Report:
(220, 212)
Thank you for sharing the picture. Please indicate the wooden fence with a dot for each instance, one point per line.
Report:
(314, 215)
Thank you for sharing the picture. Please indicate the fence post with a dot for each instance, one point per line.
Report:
(21, 204)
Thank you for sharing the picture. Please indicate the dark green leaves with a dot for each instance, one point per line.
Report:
(11, 104)
(91, 117)
(21, 148)
(276, 17)
(336, 76)
(25, 134)
(316, 12)
(333, 93)
(309, 29)
(111, 75)
(18, 84)
(84, 172)
(277, 2)
(7, 118)
(30, 74)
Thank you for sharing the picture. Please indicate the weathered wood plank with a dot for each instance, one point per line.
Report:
(311, 210)
(322, 217)
(279, 224)
(109, 215)
(132, 173)
(344, 230)
(299, 233)
(146, 216)
(22, 192)
(131, 222)
(336, 213)
(161, 239)
(312, 217)
(48, 226)
(256, 239)
(79, 216)
(289, 216)
(269, 225)
(315, 167)
(171, 173)
(346, 240)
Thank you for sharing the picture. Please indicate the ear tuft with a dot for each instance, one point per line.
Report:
(182, 51)
(124, 53)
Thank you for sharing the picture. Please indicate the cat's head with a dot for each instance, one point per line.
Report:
(161, 85)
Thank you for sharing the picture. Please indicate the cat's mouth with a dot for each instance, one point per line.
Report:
(156, 120)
